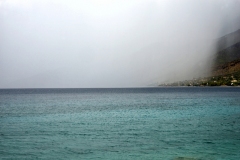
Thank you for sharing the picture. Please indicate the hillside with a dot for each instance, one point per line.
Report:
(227, 60)
(226, 64)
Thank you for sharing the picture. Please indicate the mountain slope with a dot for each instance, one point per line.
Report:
(227, 59)
(226, 64)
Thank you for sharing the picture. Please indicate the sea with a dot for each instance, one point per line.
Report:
(162, 123)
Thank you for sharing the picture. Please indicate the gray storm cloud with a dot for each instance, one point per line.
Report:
(109, 43)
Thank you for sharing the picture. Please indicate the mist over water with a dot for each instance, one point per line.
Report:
(109, 43)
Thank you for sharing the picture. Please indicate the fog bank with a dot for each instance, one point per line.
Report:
(57, 44)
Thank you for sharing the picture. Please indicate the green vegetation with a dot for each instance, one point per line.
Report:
(222, 80)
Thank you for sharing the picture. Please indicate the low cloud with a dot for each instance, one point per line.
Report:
(109, 43)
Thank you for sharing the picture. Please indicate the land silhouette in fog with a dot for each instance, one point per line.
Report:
(225, 68)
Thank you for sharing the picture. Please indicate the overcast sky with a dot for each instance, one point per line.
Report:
(109, 43)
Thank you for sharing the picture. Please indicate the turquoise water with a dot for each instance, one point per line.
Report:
(141, 123)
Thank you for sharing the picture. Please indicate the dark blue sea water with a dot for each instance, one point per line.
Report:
(134, 123)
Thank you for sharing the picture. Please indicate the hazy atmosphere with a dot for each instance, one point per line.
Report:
(109, 43)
